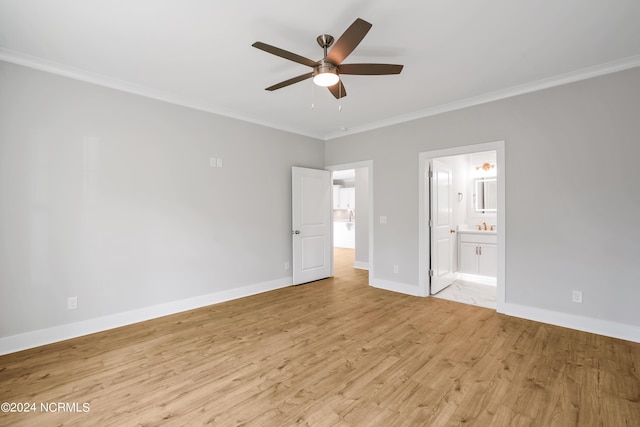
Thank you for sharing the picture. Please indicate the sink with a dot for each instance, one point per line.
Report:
(472, 231)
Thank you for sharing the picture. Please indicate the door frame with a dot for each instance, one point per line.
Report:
(423, 206)
(356, 165)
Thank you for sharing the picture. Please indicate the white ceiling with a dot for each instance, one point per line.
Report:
(198, 53)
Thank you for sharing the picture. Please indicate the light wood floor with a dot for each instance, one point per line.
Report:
(333, 352)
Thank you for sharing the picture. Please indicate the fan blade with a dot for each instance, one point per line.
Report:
(338, 90)
(369, 69)
(348, 41)
(284, 54)
(290, 81)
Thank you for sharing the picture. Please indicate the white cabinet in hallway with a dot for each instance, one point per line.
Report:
(344, 197)
(348, 198)
(336, 196)
(478, 253)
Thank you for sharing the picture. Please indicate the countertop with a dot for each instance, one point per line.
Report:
(472, 231)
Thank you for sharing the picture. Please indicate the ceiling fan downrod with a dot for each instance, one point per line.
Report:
(325, 41)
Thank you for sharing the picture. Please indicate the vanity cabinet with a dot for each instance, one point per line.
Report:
(478, 253)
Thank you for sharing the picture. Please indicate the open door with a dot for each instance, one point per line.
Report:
(311, 228)
(442, 232)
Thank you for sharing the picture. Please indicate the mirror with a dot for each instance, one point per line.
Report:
(486, 197)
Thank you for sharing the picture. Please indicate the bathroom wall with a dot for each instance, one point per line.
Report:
(476, 160)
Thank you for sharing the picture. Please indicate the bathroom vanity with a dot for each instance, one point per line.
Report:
(478, 252)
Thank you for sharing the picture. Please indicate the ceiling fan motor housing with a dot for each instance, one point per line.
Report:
(325, 67)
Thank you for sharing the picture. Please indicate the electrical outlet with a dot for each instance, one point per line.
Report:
(383, 219)
(395, 269)
(286, 265)
(576, 296)
(72, 303)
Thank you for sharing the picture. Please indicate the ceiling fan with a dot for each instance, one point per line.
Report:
(326, 72)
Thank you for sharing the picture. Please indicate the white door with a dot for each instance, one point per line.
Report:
(311, 231)
(442, 231)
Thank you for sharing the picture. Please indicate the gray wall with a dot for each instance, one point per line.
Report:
(110, 197)
(572, 196)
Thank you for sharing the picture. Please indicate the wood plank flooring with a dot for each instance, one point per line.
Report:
(330, 353)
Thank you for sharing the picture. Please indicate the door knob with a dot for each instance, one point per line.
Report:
(452, 231)
(295, 232)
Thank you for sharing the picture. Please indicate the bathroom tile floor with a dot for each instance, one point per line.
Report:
(471, 293)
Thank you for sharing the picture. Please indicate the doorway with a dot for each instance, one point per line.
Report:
(465, 260)
(352, 206)
(344, 208)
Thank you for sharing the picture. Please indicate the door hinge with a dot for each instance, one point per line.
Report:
(430, 273)
(430, 174)
(430, 223)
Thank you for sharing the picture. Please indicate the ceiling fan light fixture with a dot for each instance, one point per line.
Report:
(326, 79)
(326, 75)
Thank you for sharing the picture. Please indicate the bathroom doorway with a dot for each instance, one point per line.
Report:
(462, 223)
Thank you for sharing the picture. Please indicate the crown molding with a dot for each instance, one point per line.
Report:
(121, 85)
(63, 70)
(554, 81)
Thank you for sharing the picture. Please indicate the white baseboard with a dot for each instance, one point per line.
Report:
(40, 337)
(402, 288)
(571, 321)
(360, 265)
